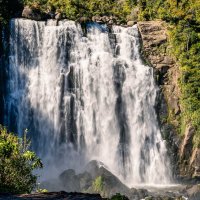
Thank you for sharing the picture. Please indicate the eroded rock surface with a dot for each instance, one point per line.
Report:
(156, 51)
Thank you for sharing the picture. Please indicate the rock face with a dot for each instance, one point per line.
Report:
(34, 14)
(195, 162)
(155, 49)
(156, 52)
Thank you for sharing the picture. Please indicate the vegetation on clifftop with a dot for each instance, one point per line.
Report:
(73, 9)
(16, 164)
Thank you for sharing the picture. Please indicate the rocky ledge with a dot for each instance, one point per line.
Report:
(189, 192)
(52, 196)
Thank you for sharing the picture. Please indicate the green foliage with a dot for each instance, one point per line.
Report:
(73, 9)
(185, 39)
(97, 184)
(118, 196)
(16, 164)
(41, 190)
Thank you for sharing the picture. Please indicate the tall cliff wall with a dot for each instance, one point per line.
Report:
(156, 51)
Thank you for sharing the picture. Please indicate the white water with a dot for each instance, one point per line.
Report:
(85, 98)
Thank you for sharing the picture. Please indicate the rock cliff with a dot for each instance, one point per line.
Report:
(156, 52)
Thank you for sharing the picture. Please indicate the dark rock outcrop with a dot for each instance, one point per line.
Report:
(70, 181)
(110, 183)
(95, 179)
(52, 196)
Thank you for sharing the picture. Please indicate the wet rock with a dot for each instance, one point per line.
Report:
(111, 184)
(194, 192)
(58, 16)
(138, 193)
(93, 168)
(51, 14)
(111, 22)
(96, 18)
(130, 23)
(85, 180)
(70, 182)
(142, 193)
(105, 19)
(34, 14)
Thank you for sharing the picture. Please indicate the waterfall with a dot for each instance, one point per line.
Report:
(85, 98)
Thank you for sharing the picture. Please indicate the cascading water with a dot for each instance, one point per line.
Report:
(85, 98)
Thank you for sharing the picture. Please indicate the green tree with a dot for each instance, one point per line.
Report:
(16, 164)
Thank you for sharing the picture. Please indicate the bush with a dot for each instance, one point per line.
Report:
(16, 164)
(98, 184)
(73, 9)
(118, 196)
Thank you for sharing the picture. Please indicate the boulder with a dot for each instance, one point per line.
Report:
(96, 18)
(105, 19)
(70, 182)
(58, 16)
(33, 13)
(83, 20)
(93, 168)
(52, 185)
(194, 192)
(110, 183)
(85, 180)
(130, 23)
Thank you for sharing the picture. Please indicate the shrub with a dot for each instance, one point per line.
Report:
(98, 184)
(118, 196)
(16, 164)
